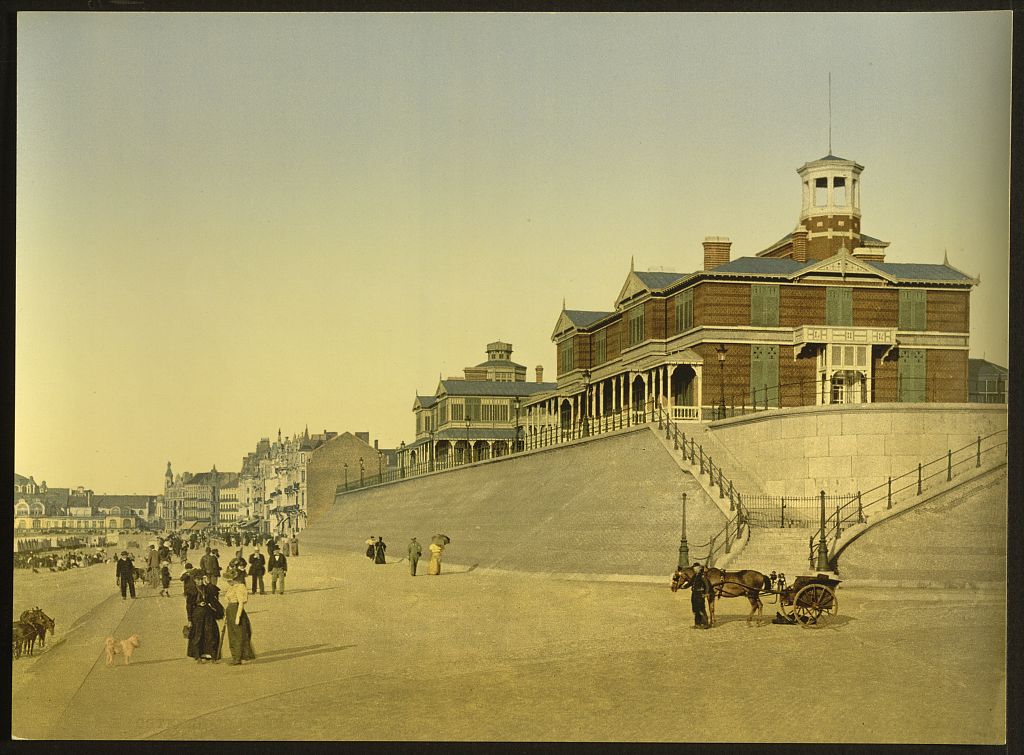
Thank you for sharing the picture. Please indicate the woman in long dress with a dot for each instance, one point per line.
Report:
(435, 558)
(204, 636)
(378, 551)
(237, 621)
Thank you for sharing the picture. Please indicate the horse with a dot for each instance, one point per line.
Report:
(41, 622)
(23, 636)
(728, 584)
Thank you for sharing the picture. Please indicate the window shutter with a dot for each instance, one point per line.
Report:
(764, 373)
(838, 305)
(912, 371)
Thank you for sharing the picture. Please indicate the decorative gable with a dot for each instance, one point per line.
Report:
(630, 289)
(563, 326)
(842, 264)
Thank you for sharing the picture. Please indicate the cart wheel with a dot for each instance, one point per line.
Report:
(815, 606)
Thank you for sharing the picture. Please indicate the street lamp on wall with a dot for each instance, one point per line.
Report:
(431, 450)
(721, 351)
(362, 470)
(401, 459)
(469, 448)
(346, 475)
(586, 403)
(380, 466)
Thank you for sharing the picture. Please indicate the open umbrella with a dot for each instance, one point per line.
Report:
(441, 540)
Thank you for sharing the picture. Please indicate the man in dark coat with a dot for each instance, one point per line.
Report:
(257, 568)
(210, 564)
(126, 575)
(278, 569)
(271, 546)
(415, 551)
(700, 587)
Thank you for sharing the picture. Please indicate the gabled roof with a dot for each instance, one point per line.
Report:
(493, 388)
(500, 363)
(922, 272)
(573, 318)
(655, 280)
(424, 402)
(782, 266)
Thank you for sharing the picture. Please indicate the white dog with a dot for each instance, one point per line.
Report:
(121, 647)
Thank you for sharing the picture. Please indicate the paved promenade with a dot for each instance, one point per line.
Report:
(357, 651)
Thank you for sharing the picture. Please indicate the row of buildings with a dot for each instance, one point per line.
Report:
(817, 317)
(42, 513)
(279, 485)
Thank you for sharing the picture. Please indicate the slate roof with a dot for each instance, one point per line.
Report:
(582, 319)
(657, 280)
(762, 265)
(426, 401)
(866, 240)
(500, 363)
(980, 367)
(919, 271)
(124, 501)
(830, 156)
(20, 479)
(494, 388)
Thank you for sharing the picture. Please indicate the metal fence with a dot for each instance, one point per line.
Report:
(775, 511)
(928, 475)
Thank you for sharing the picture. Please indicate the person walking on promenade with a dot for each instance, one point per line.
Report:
(271, 546)
(163, 552)
(378, 551)
(126, 575)
(237, 621)
(238, 562)
(210, 565)
(278, 569)
(204, 634)
(190, 587)
(294, 543)
(369, 547)
(437, 544)
(165, 579)
(700, 586)
(257, 568)
(415, 551)
(152, 566)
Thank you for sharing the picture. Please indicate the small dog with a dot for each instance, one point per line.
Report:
(121, 647)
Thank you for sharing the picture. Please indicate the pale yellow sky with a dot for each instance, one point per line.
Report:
(230, 223)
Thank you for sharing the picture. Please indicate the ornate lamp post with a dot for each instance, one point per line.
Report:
(362, 470)
(586, 403)
(469, 448)
(346, 475)
(401, 459)
(380, 467)
(515, 441)
(431, 450)
(684, 548)
(721, 351)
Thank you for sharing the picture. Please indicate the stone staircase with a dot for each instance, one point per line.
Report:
(768, 550)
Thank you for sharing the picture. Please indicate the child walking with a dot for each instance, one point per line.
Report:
(165, 578)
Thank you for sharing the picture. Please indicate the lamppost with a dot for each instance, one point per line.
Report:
(515, 442)
(469, 448)
(684, 548)
(362, 470)
(721, 351)
(431, 450)
(346, 475)
(586, 403)
(380, 467)
(401, 459)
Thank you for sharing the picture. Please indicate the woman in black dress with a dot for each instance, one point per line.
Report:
(204, 636)
(378, 551)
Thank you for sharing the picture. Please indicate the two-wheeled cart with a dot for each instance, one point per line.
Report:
(809, 601)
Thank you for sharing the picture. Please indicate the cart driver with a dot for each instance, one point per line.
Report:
(700, 586)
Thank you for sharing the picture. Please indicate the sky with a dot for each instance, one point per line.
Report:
(233, 223)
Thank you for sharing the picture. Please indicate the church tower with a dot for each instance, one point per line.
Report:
(168, 478)
(830, 212)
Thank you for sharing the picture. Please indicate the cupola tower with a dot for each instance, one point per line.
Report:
(831, 205)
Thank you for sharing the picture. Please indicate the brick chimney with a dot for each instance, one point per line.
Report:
(716, 251)
(540, 373)
(800, 244)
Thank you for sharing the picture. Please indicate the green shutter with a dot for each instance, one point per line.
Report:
(912, 370)
(764, 305)
(913, 310)
(838, 305)
(684, 310)
(764, 374)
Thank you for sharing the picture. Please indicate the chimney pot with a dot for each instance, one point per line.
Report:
(716, 251)
(540, 373)
(800, 244)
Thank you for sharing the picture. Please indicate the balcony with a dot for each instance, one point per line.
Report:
(686, 413)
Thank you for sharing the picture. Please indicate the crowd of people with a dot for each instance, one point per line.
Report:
(60, 561)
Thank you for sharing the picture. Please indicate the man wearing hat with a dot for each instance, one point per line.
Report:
(126, 575)
(700, 587)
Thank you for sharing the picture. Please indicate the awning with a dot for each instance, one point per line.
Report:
(194, 525)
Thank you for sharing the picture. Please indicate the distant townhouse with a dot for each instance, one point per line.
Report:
(987, 383)
(193, 500)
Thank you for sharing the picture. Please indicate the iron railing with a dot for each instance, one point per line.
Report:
(895, 490)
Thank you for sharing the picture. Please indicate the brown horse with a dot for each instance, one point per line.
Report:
(728, 584)
(40, 622)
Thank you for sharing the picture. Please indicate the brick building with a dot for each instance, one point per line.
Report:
(475, 416)
(193, 500)
(818, 317)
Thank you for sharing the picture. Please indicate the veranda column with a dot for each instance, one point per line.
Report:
(600, 400)
(671, 374)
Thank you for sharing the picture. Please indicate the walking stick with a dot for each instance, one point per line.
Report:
(223, 631)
